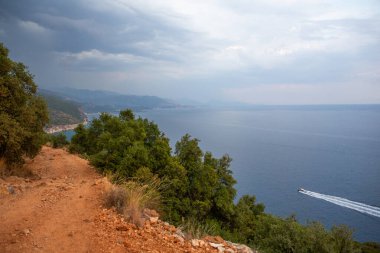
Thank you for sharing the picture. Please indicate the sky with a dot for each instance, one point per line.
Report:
(246, 51)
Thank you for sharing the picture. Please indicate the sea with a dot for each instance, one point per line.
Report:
(331, 152)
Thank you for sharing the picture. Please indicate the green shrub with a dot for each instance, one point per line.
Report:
(23, 114)
(195, 229)
(193, 183)
(58, 140)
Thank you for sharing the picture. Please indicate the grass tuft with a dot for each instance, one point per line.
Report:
(132, 197)
(194, 229)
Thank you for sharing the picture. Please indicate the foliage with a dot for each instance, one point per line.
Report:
(198, 191)
(132, 197)
(370, 247)
(62, 111)
(195, 229)
(23, 114)
(58, 140)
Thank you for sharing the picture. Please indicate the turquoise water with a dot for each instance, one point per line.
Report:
(327, 150)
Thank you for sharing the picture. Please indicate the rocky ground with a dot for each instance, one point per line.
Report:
(61, 210)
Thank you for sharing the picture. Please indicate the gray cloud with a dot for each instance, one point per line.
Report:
(250, 51)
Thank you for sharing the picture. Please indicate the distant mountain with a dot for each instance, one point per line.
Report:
(106, 101)
(62, 111)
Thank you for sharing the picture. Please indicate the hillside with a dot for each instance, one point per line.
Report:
(62, 111)
(106, 101)
(61, 210)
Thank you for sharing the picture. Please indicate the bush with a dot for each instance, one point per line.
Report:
(370, 247)
(115, 197)
(23, 114)
(196, 185)
(58, 140)
(131, 198)
(195, 229)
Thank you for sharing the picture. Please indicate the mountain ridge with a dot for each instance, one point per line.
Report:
(109, 101)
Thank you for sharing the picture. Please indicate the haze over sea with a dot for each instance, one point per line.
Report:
(333, 150)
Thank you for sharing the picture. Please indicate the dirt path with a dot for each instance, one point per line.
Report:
(55, 213)
(62, 212)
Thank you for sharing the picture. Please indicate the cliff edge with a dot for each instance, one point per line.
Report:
(61, 210)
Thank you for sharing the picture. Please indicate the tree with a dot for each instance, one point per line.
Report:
(23, 114)
(58, 140)
(342, 237)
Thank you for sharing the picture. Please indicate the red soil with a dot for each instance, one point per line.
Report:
(63, 212)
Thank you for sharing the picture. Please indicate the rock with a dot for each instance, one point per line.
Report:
(241, 248)
(180, 233)
(172, 229)
(215, 245)
(215, 239)
(221, 249)
(179, 239)
(195, 243)
(229, 251)
(11, 189)
(202, 243)
(153, 220)
(26, 231)
(150, 213)
(122, 228)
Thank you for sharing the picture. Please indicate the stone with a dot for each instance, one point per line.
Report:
(179, 239)
(150, 212)
(26, 231)
(221, 249)
(195, 243)
(179, 232)
(11, 189)
(122, 228)
(153, 220)
(215, 245)
(241, 248)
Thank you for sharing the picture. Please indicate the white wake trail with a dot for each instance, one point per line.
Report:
(357, 206)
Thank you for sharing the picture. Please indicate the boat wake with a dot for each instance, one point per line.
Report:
(357, 206)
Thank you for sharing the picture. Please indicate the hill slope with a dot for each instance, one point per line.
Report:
(106, 101)
(62, 211)
(62, 111)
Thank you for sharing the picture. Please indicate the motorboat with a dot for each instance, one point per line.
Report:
(301, 189)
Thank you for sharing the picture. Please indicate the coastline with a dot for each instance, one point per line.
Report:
(61, 128)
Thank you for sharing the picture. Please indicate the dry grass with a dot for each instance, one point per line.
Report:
(194, 229)
(132, 197)
(115, 197)
(15, 170)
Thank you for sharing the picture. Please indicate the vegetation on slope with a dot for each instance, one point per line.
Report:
(199, 186)
(23, 114)
(62, 111)
(107, 101)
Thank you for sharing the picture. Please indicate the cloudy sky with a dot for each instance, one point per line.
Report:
(258, 52)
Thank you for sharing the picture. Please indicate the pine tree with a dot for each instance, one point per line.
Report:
(23, 114)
